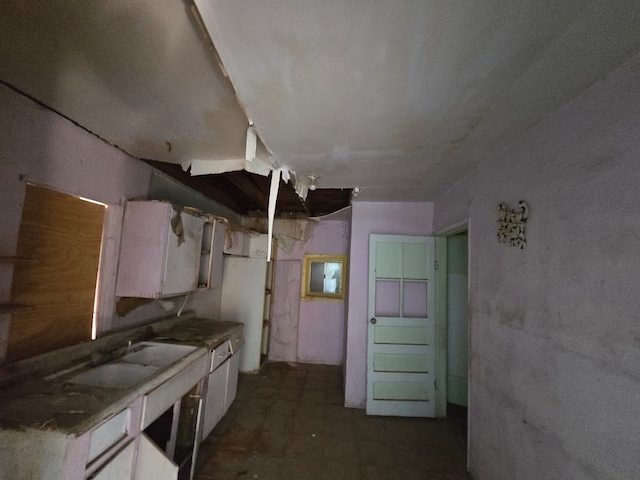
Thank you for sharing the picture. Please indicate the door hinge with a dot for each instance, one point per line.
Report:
(437, 265)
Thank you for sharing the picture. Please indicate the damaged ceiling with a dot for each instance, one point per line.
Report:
(248, 193)
(398, 99)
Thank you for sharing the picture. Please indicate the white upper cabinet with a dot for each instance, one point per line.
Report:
(160, 250)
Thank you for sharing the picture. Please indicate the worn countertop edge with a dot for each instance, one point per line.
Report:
(53, 360)
(117, 399)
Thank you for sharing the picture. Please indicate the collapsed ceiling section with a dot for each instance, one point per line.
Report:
(143, 77)
(248, 193)
(402, 99)
(396, 99)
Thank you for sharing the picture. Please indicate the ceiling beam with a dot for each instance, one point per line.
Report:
(244, 181)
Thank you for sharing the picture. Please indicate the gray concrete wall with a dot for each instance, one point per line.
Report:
(554, 335)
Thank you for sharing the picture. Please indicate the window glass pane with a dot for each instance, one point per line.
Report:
(316, 282)
(324, 276)
(387, 298)
(415, 299)
(332, 275)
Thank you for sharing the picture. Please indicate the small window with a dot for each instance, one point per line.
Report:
(324, 276)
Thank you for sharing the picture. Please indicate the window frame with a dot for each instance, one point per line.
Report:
(306, 275)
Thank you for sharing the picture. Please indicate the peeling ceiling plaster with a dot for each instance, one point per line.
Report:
(403, 98)
(398, 98)
(138, 74)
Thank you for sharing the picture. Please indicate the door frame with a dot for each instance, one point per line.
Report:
(448, 231)
(440, 323)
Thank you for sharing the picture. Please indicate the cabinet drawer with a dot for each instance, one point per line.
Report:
(237, 341)
(119, 466)
(108, 434)
(161, 398)
(220, 354)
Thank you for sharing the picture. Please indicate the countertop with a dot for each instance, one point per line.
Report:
(42, 400)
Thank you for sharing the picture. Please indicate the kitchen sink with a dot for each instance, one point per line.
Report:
(114, 375)
(156, 354)
(141, 361)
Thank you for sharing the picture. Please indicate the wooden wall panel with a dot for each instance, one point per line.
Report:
(62, 234)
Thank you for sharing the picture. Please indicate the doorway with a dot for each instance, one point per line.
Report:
(458, 333)
(401, 335)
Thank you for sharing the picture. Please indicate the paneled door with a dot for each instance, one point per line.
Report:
(401, 357)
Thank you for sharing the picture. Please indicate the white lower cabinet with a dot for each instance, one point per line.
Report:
(232, 382)
(119, 467)
(155, 437)
(221, 386)
(152, 463)
(216, 387)
(214, 405)
(162, 397)
(109, 433)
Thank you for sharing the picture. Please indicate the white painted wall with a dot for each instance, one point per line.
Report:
(555, 336)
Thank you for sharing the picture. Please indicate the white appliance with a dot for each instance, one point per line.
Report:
(243, 299)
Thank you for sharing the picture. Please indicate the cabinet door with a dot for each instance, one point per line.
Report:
(158, 400)
(152, 463)
(183, 254)
(214, 406)
(232, 381)
(107, 434)
(119, 467)
(143, 249)
(159, 251)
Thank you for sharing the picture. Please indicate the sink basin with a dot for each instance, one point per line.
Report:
(156, 354)
(142, 361)
(114, 375)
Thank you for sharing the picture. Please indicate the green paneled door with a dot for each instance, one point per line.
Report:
(401, 370)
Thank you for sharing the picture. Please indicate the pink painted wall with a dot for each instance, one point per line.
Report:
(554, 335)
(321, 327)
(41, 147)
(367, 218)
